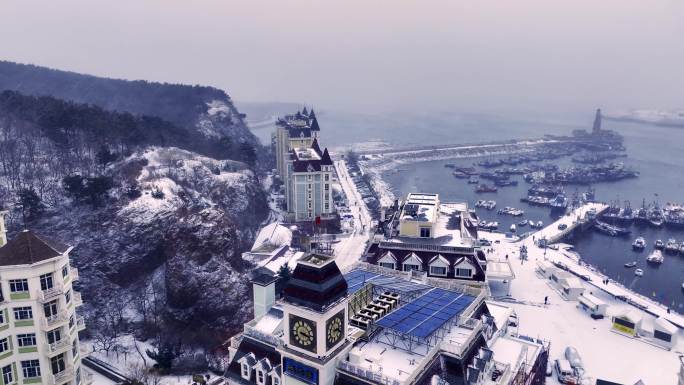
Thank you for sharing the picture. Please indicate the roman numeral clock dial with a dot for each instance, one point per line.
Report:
(334, 330)
(303, 333)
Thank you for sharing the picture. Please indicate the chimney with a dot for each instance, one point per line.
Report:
(3, 229)
(263, 289)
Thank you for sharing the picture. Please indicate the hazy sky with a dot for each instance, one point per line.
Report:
(474, 55)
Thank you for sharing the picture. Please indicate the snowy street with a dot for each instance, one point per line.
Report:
(351, 248)
(606, 353)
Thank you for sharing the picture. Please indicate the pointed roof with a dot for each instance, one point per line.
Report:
(325, 158)
(314, 124)
(304, 111)
(28, 248)
(312, 115)
(315, 146)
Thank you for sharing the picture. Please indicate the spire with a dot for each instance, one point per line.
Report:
(325, 158)
(314, 124)
(315, 146)
(304, 111)
(311, 114)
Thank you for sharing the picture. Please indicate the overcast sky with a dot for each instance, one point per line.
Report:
(470, 55)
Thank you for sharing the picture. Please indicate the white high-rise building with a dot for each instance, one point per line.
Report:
(305, 169)
(39, 325)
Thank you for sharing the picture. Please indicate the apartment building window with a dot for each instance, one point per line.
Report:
(411, 267)
(2, 317)
(26, 339)
(7, 376)
(463, 272)
(4, 345)
(18, 285)
(50, 308)
(74, 348)
(387, 265)
(309, 187)
(67, 296)
(46, 281)
(327, 187)
(65, 271)
(54, 335)
(23, 313)
(30, 368)
(58, 364)
(71, 321)
(425, 232)
(327, 177)
(327, 206)
(2, 296)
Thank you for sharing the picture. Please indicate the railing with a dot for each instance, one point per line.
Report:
(59, 346)
(78, 300)
(372, 375)
(80, 323)
(53, 320)
(84, 351)
(261, 336)
(51, 293)
(65, 375)
(74, 273)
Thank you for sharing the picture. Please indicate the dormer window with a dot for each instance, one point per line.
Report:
(439, 266)
(275, 380)
(413, 263)
(425, 232)
(261, 377)
(245, 371)
(247, 364)
(388, 261)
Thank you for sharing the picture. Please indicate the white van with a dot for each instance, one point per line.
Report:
(564, 371)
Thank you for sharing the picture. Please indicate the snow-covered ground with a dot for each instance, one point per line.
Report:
(606, 354)
(350, 249)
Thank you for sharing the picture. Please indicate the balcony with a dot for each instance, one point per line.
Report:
(83, 351)
(80, 323)
(60, 346)
(86, 378)
(66, 375)
(51, 293)
(55, 320)
(74, 273)
(78, 301)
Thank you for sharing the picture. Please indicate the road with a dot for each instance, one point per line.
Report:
(350, 249)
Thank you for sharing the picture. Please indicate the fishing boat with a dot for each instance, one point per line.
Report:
(610, 229)
(659, 244)
(656, 256)
(671, 246)
(522, 223)
(512, 228)
(639, 244)
(638, 272)
(473, 180)
(681, 248)
(559, 202)
(484, 188)
(630, 264)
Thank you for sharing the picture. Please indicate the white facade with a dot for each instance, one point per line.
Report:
(310, 193)
(39, 331)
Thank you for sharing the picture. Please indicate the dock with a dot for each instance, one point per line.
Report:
(577, 219)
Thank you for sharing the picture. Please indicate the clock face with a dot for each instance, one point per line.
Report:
(303, 333)
(334, 330)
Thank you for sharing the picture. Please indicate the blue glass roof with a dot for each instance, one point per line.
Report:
(356, 279)
(427, 313)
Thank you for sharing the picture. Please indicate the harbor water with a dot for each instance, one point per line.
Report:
(653, 151)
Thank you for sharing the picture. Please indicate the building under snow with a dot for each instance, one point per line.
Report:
(430, 238)
(375, 326)
(305, 169)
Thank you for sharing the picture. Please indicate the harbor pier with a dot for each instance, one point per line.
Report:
(578, 219)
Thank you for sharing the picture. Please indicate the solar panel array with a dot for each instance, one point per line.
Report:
(356, 279)
(427, 313)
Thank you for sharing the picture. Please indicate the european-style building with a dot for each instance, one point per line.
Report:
(39, 323)
(305, 169)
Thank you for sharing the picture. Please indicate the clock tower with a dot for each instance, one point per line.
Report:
(314, 322)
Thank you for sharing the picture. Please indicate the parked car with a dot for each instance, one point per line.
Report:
(572, 355)
(564, 372)
(562, 226)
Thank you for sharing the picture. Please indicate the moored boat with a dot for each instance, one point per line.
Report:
(639, 243)
(630, 264)
(656, 256)
(638, 272)
(659, 244)
(671, 246)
